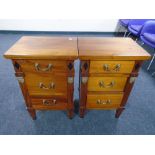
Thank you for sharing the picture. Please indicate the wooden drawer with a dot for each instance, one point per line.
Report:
(43, 66)
(111, 66)
(53, 103)
(106, 83)
(99, 101)
(45, 84)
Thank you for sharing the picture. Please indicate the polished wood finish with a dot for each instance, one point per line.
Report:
(119, 111)
(114, 65)
(110, 48)
(40, 47)
(107, 83)
(19, 74)
(99, 101)
(111, 66)
(128, 87)
(44, 67)
(34, 82)
(31, 66)
(70, 88)
(84, 71)
(49, 103)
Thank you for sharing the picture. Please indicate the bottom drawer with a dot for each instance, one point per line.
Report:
(104, 101)
(53, 103)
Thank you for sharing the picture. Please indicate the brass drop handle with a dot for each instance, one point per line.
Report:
(98, 102)
(51, 85)
(108, 102)
(111, 84)
(38, 68)
(49, 102)
(103, 102)
(106, 67)
(116, 68)
(102, 85)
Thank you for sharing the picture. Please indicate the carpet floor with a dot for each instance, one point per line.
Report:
(137, 119)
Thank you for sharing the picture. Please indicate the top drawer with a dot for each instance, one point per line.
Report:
(111, 66)
(43, 66)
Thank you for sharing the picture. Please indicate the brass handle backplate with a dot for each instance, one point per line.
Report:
(102, 85)
(117, 67)
(103, 102)
(51, 85)
(48, 68)
(107, 68)
(49, 102)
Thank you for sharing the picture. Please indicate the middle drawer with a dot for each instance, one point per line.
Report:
(46, 84)
(106, 83)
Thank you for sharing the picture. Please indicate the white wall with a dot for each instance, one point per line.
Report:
(105, 25)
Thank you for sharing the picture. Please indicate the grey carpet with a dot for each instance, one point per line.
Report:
(138, 118)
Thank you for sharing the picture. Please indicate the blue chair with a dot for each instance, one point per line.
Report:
(147, 35)
(135, 26)
(124, 23)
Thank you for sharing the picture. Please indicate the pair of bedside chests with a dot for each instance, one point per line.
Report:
(44, 67)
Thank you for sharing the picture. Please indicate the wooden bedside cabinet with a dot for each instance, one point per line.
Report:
(44, 67)
(108, 69)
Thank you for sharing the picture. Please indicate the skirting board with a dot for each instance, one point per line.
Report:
(60, 33)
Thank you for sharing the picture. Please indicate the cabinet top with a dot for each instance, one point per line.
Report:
(66, 48)
(44, 47)
(100, 48)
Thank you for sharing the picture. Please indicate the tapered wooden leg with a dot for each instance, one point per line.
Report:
(70, 88)
(82, 113)
(70, 113)
(32, 113)
(118, 112)
(128, 87)
(84, 71)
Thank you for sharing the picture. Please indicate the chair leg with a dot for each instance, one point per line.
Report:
(142, 44)
(153, 73)
(125, 33)
(119, 28)
(129, 34)
(151, 61)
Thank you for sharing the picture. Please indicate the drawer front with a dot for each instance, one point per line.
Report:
(99, 101)
(43, 66)
(45, 84)
(106, 83)
(111, 66)
(55, 103)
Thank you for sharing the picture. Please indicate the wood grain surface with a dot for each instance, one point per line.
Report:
(30, 47)
(109, 48)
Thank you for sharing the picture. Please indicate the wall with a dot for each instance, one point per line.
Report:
(105, 25)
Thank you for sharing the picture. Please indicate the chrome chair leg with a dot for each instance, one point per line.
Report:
(136, 39)
(151, 61)
(129, 34)
(125, 33)
(118, 29)
(153, 73)
(142, 44)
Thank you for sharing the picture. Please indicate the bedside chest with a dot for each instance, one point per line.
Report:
(108, 69)
(44, 67)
